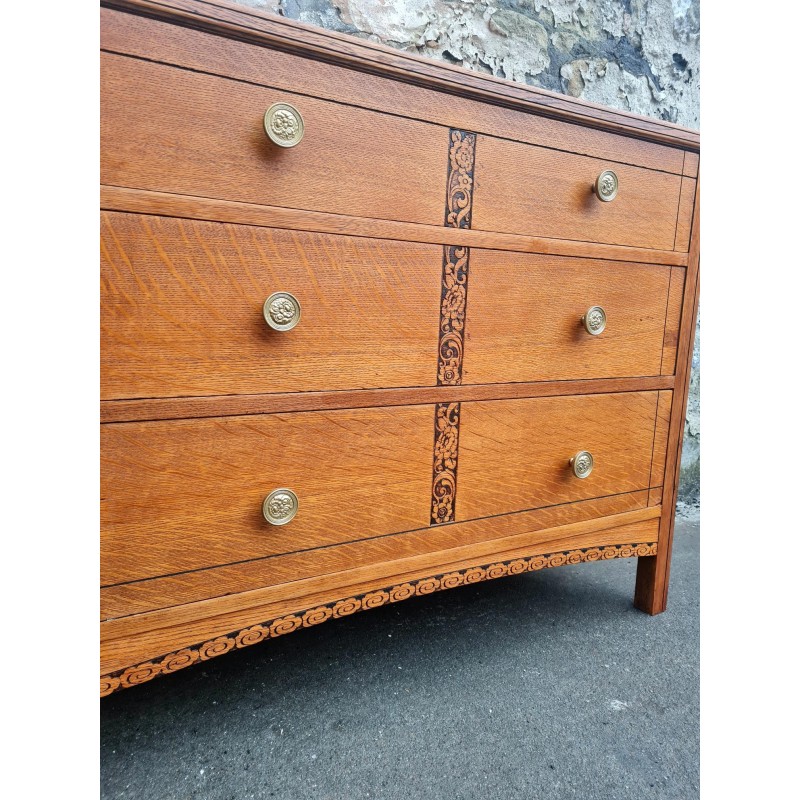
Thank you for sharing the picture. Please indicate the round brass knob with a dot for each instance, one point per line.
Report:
(282, 311)
(606, 186)
(594, 320)
(280, 506)
(582, 464)
(284, 124)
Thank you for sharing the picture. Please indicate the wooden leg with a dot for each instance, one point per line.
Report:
(652, 572)
(648, 597)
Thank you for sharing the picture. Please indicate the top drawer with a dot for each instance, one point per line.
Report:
(175, 130)
(172, 130)
(531, 190)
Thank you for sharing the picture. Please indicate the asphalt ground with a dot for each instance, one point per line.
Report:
(543, 685)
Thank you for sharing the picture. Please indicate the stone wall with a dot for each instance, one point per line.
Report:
(638, 55)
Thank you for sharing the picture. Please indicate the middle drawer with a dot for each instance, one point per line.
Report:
(182, 312)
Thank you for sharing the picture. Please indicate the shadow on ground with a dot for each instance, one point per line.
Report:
(548, 685)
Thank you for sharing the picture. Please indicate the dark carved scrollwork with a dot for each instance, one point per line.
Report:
(460, 171)
(172, 662)
(445, 462)
(455, 259)
(453, 311)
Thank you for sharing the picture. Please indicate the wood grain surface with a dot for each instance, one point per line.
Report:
(199, 51)
(663, 416)
(673, 322)
(166, 664)
(685, 210)
(524, 318)
(514, 454)
(182, 495)
(691, 164)
(374, 554)
(203, 135)
(181, 310)
(532, 190)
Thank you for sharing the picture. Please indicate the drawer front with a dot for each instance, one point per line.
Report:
(184, 495)
(524, 318)
(531, 190)
(514, 454)
(182, 310)
(427, 549)
(172, 130)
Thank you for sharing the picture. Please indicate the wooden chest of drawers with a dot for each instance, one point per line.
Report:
(372, 327)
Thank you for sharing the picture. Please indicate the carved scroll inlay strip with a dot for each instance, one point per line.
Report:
(455, 274)
(460, 175)
(172, 662)
(445, 462)
(453, 315)
(455, 260)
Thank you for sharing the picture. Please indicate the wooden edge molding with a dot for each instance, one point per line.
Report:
(253, 634)
(691, 164)
(267, 30)
(164, 204)
(150, 409)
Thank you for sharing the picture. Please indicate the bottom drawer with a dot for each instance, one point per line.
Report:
(425, 549)
(186, 495)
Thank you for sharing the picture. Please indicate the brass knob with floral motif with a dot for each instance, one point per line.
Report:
(282, 311)
(606, 186)
(594, 320)
(284, 125)
(280, 506)
(582, 464)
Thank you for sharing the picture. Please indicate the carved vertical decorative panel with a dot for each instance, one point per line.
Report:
(455, 259)
(445, 462)
(455, 275)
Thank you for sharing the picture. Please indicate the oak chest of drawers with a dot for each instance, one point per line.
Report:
(372, 327)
